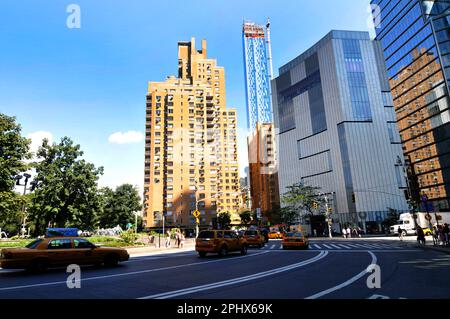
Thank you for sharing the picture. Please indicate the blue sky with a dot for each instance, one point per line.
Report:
(91, 82)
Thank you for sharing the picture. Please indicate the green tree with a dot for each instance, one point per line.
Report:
(66, 194)
(224, 219)
(288, 215)
(246, 217)
(300, 198)
(119, 206)
(14, 150)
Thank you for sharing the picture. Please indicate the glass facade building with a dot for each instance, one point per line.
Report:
(337, 128)
(257, 78)
(415, 36)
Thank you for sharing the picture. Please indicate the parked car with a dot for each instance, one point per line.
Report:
(295, 240)
(60, 251)
(220, 242)
(254, 238)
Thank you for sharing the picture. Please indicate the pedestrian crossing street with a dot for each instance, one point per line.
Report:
(339, 246)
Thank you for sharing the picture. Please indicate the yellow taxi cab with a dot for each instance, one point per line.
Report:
(275, 235)
(254, 238)
(295, 240)
(220, 242)
(50, 252)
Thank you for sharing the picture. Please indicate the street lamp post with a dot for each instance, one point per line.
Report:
(18, 178)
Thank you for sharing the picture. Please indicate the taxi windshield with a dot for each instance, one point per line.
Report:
(293, 235)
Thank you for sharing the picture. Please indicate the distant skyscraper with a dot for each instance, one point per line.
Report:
(257, 61)
(415, 36)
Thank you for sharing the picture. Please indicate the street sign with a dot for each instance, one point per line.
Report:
(197, 221)
(196, 214)
(258, 213)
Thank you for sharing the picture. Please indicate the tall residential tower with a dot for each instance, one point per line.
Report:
(261, 142)
(190, 147)
(257, 74)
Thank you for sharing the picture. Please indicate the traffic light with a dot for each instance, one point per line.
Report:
(315, 206)
(330, 210)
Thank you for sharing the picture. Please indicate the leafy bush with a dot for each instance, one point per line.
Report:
(129, 237)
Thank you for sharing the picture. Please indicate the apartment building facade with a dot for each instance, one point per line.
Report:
(190, 147)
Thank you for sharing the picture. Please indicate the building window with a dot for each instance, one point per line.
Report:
(356, 80)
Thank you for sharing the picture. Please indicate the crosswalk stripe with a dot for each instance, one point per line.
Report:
(317, 246)
(352, 245)
(327, 246)
(272, 247)
(345, 246)
(335, 246)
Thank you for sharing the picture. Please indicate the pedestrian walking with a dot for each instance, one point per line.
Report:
(435, 236)
(178, 238)
(344, 232)
(168, 239)
(359, 232)
(400, 233)
(446, 234)
(349, 232)
(420, 235)
(182, 239)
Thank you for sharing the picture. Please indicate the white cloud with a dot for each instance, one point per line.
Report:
(37, 138)
(129, 137)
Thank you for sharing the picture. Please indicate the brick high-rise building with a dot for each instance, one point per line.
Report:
(190, 146)
(263, 168)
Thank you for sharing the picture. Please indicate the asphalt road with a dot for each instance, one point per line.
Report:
(330, 269)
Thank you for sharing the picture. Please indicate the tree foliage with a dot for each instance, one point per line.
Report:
(246, 217)
(14, 150)
(224, 219)
(300, 199)
(66, 193)
(119, 206)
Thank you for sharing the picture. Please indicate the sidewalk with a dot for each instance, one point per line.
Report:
(154, 248)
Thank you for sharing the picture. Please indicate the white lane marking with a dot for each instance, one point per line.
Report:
(272, 247)
(335, 251)
(327, 246)
(130, 273)
(335, 246)
(317, 246)
(347, 283)
(370, 246)
(191, 290)
(138, 259)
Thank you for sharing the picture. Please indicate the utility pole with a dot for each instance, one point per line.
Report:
(196, 209)
(329, 217)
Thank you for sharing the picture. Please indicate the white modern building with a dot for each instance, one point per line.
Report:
(337, 128)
